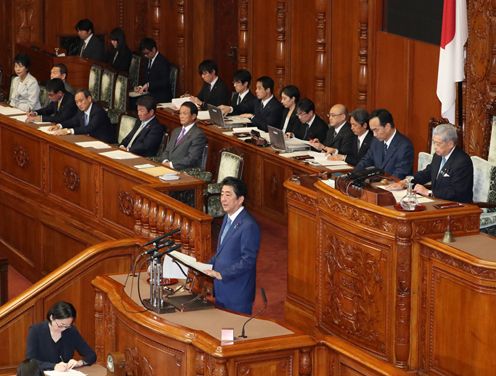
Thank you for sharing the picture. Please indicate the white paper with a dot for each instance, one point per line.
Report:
(45, 129)
(398, 195)
(135, 94)
(172, 270)
(143, 166)
(191, 261)
(119, 154)
(9, 111)
(71, 372)
(238, 120)
(203, 115)
(295, 154)
(177, 102)
(166, 105)
(93, 144)
(245, 129)
(338, 168)
(22, 118)
(331, 183)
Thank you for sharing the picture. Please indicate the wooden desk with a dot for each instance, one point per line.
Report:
(57, 195)
(264, 170)
(353, 270)
(162, 342)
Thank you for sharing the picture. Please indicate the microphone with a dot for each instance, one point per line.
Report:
(151, 251)
(171, 249)
(159, 238)
(264, 298)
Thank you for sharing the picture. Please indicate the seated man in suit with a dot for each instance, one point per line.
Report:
(146, 136)
(268, 110)
(61, 107)
(91, 47)
(359, 120)
(339, 138)
(156, 77)
(389, 150)
(451, 171)
(60, 71)
(186, 144)
(214, 91)
(311, 125)
(234, 264)
(242, 100)
(91, 119)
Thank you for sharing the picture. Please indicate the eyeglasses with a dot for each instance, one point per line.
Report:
(333, 115)
(62, 325)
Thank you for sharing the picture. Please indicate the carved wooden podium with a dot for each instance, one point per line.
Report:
(353, 270)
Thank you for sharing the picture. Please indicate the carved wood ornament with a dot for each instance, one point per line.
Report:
(126, 203)
(21, 156)
(71, 179)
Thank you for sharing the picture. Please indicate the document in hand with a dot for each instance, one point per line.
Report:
(190, 262)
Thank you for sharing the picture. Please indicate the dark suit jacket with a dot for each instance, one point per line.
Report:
(123, 59)
(188, 153)
(158, 78)
(454, 182)
(148, 140)
(343, 141)
(246, 106)
(217, 96)
(399, 157)
(98, 126)
(271, 114)
(66, 110)
(294, 123)
(236, 260)
(94, 50)
(354, 157)
(318, 129)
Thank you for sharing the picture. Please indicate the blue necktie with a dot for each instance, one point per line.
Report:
(443, 162)
(226, 229)
(385, 151)
(86, 119)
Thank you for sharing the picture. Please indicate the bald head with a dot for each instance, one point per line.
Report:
(338, 114)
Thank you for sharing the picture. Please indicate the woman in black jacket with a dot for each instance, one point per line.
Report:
(119, 56)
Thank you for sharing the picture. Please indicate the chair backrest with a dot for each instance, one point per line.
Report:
(163, 144)
(174, 73)
(423, 160)
(492, 143)
(107, 87)
(126, 124)
(120, 93)
(484, 180)
(43, 96)
(94, 81)
(230, 164)
(11, 90)
(204, 158)
(134, 70)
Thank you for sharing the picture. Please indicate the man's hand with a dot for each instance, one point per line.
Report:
(54, 127)
(315, 143)
(421, 190)
(396, 186)
(61, 366)
(225, 109)
(247, 116)
(61, 132)
(336, 157)
(213, 273)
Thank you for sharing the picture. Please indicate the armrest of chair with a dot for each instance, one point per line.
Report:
(485, 205)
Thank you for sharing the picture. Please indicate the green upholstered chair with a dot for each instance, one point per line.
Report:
(126, 124)
(485, 193)
(94, 81)
(43, 96)
(134, 71)
(174, 73)
(120, 99)
(107, 84)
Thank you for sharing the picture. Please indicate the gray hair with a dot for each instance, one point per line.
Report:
(447, 132)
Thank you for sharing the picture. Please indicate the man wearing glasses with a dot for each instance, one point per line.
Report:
(389, 150)
(339, 138)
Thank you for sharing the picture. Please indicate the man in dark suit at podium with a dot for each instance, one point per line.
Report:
(312, 126)
(389, 150)
(61, 107)
(146, 136)
(359, 121)
(451, 171)
(91, 46)
(242, 100)
(268, 110)
(156, 77)
(234, 263)
(91, 119)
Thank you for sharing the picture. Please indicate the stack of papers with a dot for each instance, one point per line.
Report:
(119, 154)
(10, 111)
(177, 102)
(93, 144)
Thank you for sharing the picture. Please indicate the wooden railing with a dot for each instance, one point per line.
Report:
(156, 213)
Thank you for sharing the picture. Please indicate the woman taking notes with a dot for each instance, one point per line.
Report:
(52, 342)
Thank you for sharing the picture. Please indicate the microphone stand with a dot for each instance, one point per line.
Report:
(260, 311)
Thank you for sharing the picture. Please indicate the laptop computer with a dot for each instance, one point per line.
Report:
(279, 141)
(218, 118)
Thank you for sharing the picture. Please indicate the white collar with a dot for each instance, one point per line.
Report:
(233, 216)
(267, 100)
